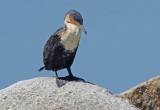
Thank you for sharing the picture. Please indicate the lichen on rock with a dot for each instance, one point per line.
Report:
(145, 96)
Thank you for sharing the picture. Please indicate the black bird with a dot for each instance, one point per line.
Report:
(60, 49)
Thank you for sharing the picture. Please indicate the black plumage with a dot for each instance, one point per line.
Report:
(55, 57)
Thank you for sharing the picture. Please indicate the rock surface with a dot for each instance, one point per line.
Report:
(145, 96)
(43, 94)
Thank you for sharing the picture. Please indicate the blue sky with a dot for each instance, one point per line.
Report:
(120, 50)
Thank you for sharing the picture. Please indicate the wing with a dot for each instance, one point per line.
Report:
(52, 42)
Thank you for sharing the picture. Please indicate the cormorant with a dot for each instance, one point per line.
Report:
(61, 47)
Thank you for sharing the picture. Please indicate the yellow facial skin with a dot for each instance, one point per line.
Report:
(69, 19)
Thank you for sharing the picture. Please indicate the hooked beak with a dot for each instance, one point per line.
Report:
(83, 29)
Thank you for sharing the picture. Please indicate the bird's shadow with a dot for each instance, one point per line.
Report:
(61, 81)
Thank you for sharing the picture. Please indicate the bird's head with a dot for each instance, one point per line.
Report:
(74, 18)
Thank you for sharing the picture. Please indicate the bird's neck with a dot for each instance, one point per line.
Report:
(72, 29)
(70, 39)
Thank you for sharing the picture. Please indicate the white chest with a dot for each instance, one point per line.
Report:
(71, 38)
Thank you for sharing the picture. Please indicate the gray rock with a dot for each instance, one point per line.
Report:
(43, 94)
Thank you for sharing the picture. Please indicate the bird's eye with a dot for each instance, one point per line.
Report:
(68, 22)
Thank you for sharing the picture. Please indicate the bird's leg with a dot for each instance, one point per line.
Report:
(59, 81)
(70, 72)
(63, 80)
(56, 74)
(71, 77)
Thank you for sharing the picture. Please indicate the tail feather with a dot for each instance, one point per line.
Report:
(42, 68)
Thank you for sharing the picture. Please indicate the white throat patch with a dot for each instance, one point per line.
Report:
(70, 39)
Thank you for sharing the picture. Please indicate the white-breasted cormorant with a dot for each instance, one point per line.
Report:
(60, 49)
